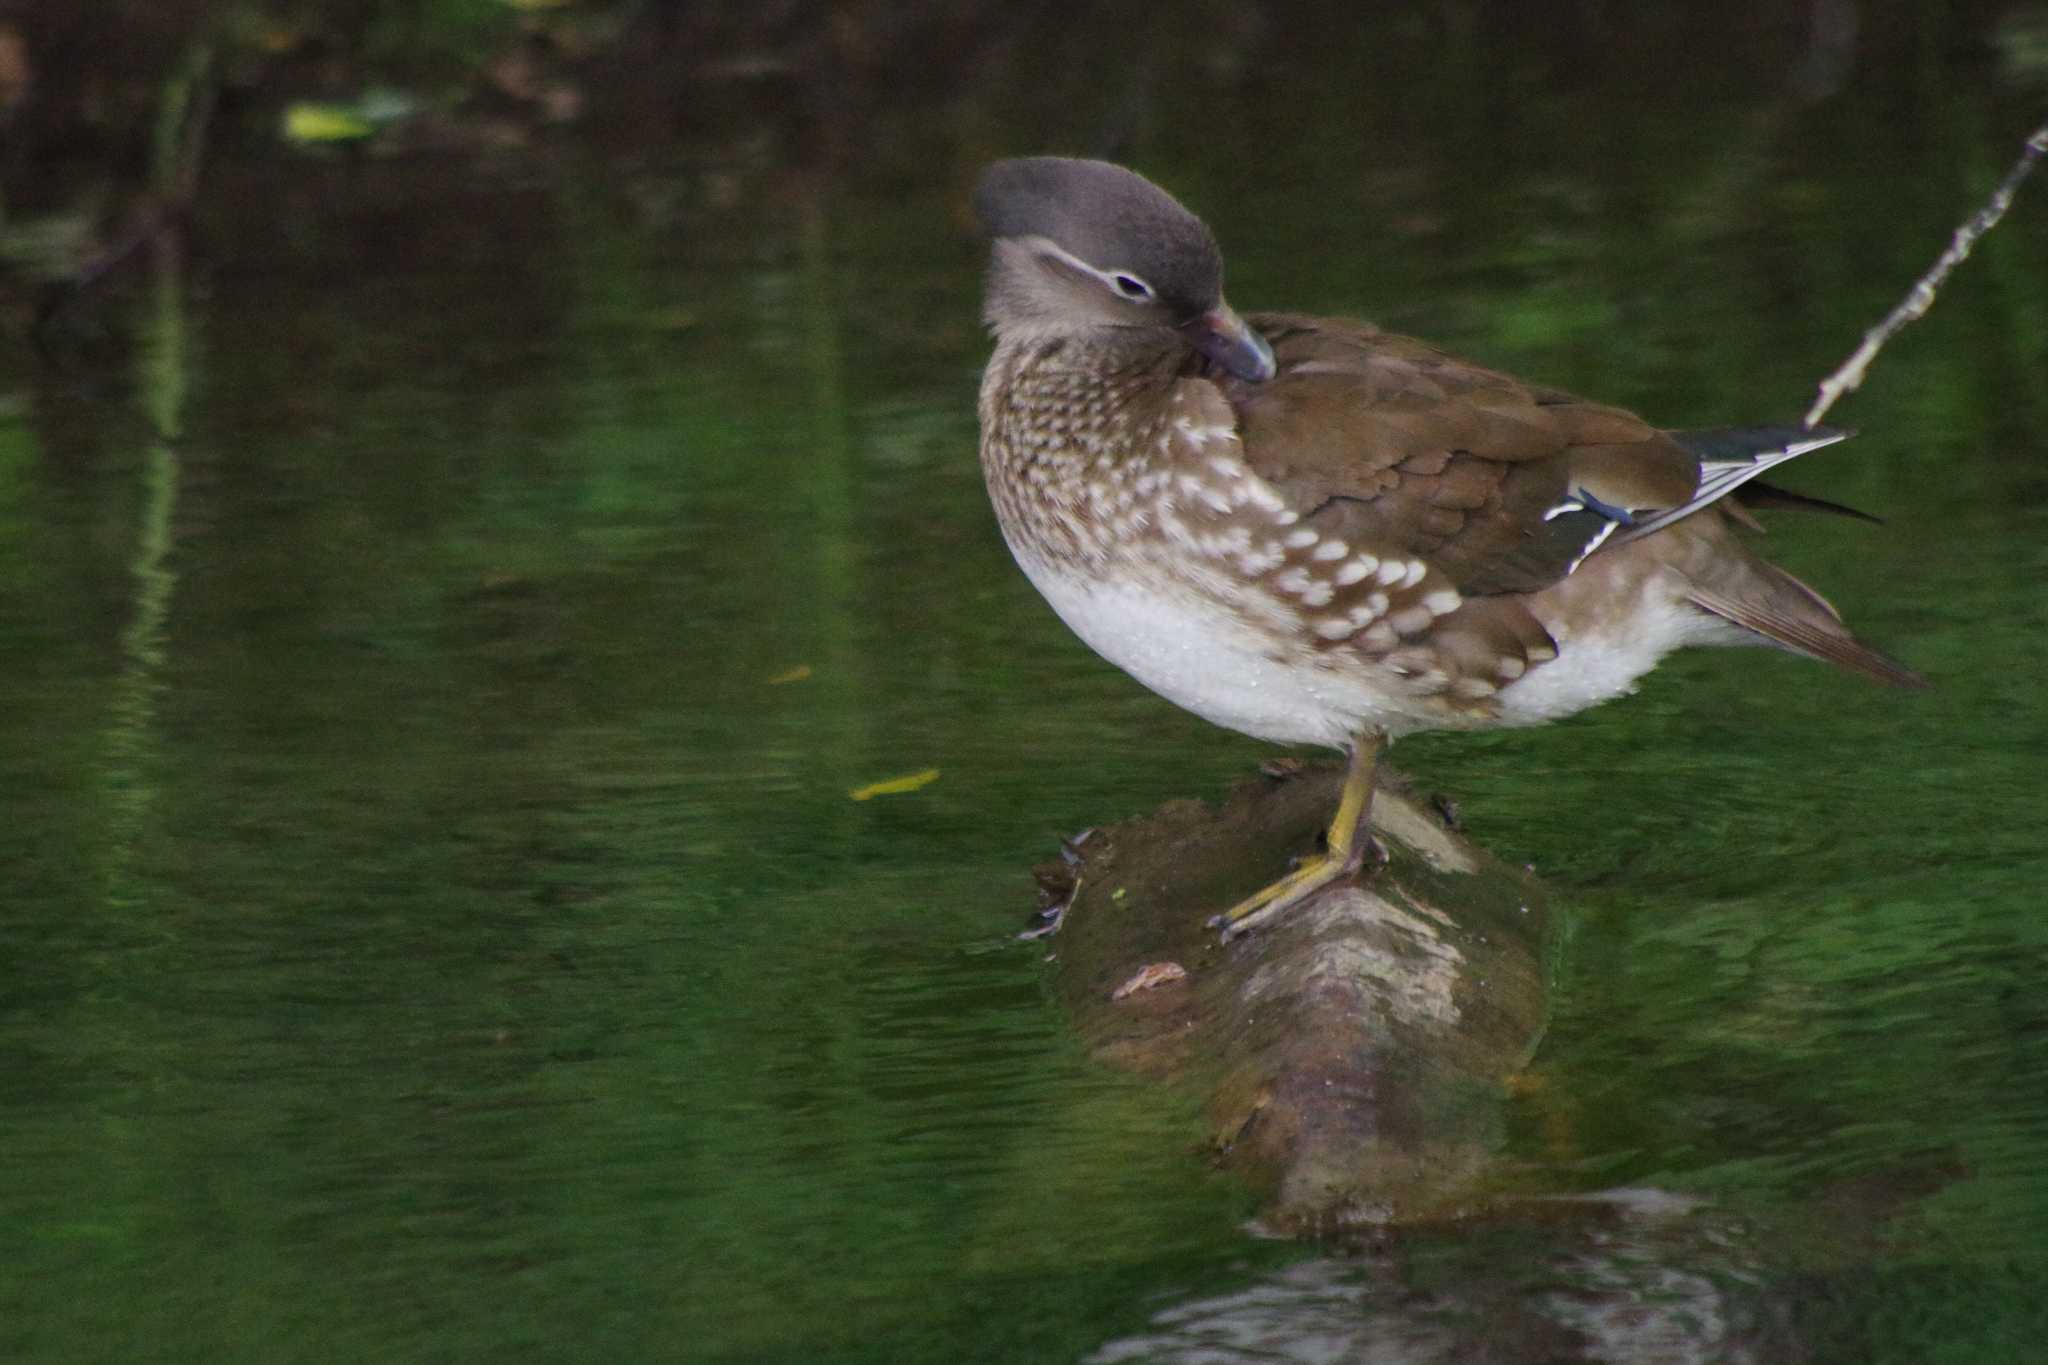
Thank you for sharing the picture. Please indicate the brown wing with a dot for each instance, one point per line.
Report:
(1385, 440)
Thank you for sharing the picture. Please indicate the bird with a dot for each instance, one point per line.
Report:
(1314, 531)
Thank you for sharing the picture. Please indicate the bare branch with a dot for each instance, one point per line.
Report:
(1920, 297)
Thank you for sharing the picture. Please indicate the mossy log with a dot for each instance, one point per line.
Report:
(1355, 1055)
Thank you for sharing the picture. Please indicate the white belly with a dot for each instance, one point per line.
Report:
(1604, 660)
(1196, 655)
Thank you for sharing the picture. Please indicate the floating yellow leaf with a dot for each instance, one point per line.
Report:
(895, 784)
(797, 674)
(325, 123)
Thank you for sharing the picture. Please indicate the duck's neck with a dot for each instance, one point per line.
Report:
(1069, 422)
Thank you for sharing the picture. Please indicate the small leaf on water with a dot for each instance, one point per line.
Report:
(305, 122)
(892, 786)
(797, 674)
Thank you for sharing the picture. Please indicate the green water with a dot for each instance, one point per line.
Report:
(433, 932)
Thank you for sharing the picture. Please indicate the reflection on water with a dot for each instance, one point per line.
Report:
(498, 967)
(1634, 1276)
(1630, 1275)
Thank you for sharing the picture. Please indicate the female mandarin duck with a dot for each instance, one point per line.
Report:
(1316, 532)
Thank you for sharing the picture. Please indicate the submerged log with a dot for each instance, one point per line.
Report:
(1354, 1055)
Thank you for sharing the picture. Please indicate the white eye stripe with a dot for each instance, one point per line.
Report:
(1123, 283)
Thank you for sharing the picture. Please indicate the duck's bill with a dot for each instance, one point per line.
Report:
(1231, 343)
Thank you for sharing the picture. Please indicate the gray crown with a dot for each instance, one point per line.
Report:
(1110, 217)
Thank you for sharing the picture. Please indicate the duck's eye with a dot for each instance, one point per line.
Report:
(1131, 287)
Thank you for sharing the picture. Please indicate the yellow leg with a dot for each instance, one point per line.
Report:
(1349, 838)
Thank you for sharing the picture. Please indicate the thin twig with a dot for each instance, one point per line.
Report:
(1920, 297)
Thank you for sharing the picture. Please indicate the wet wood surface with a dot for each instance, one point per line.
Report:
(1353, 1057)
